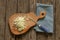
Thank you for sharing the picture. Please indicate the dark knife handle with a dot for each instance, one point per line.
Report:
(45, 29)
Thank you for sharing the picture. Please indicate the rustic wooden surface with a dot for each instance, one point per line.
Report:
(9, 7)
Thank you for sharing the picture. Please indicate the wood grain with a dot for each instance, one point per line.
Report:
(52, 36)
(11, 6)
(32, 9)
(43, 36)
(23, 7)
(2, 19)
(57, 19)
(26, 6)
(32, 4)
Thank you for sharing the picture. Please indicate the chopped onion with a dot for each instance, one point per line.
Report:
(19, 22)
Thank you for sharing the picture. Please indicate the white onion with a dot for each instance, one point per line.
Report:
(19, 22)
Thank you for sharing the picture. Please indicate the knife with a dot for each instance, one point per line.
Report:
(45, 29)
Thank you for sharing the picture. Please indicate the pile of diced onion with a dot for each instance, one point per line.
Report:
(19, 22)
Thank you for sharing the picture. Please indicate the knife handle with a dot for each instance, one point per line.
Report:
(45, 29)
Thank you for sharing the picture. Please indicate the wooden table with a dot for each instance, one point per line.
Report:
(9, 7)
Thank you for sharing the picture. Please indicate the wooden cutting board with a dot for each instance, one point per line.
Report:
(28, 22)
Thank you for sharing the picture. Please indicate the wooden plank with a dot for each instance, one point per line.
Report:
(57, 19)
(2, 19)
(11, 6)
(43, 1)
(23, 7)
(32, 33)
(32, 5)
(52, 36)
(43, 36)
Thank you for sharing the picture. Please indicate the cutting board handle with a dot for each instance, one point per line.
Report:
(42, 15)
